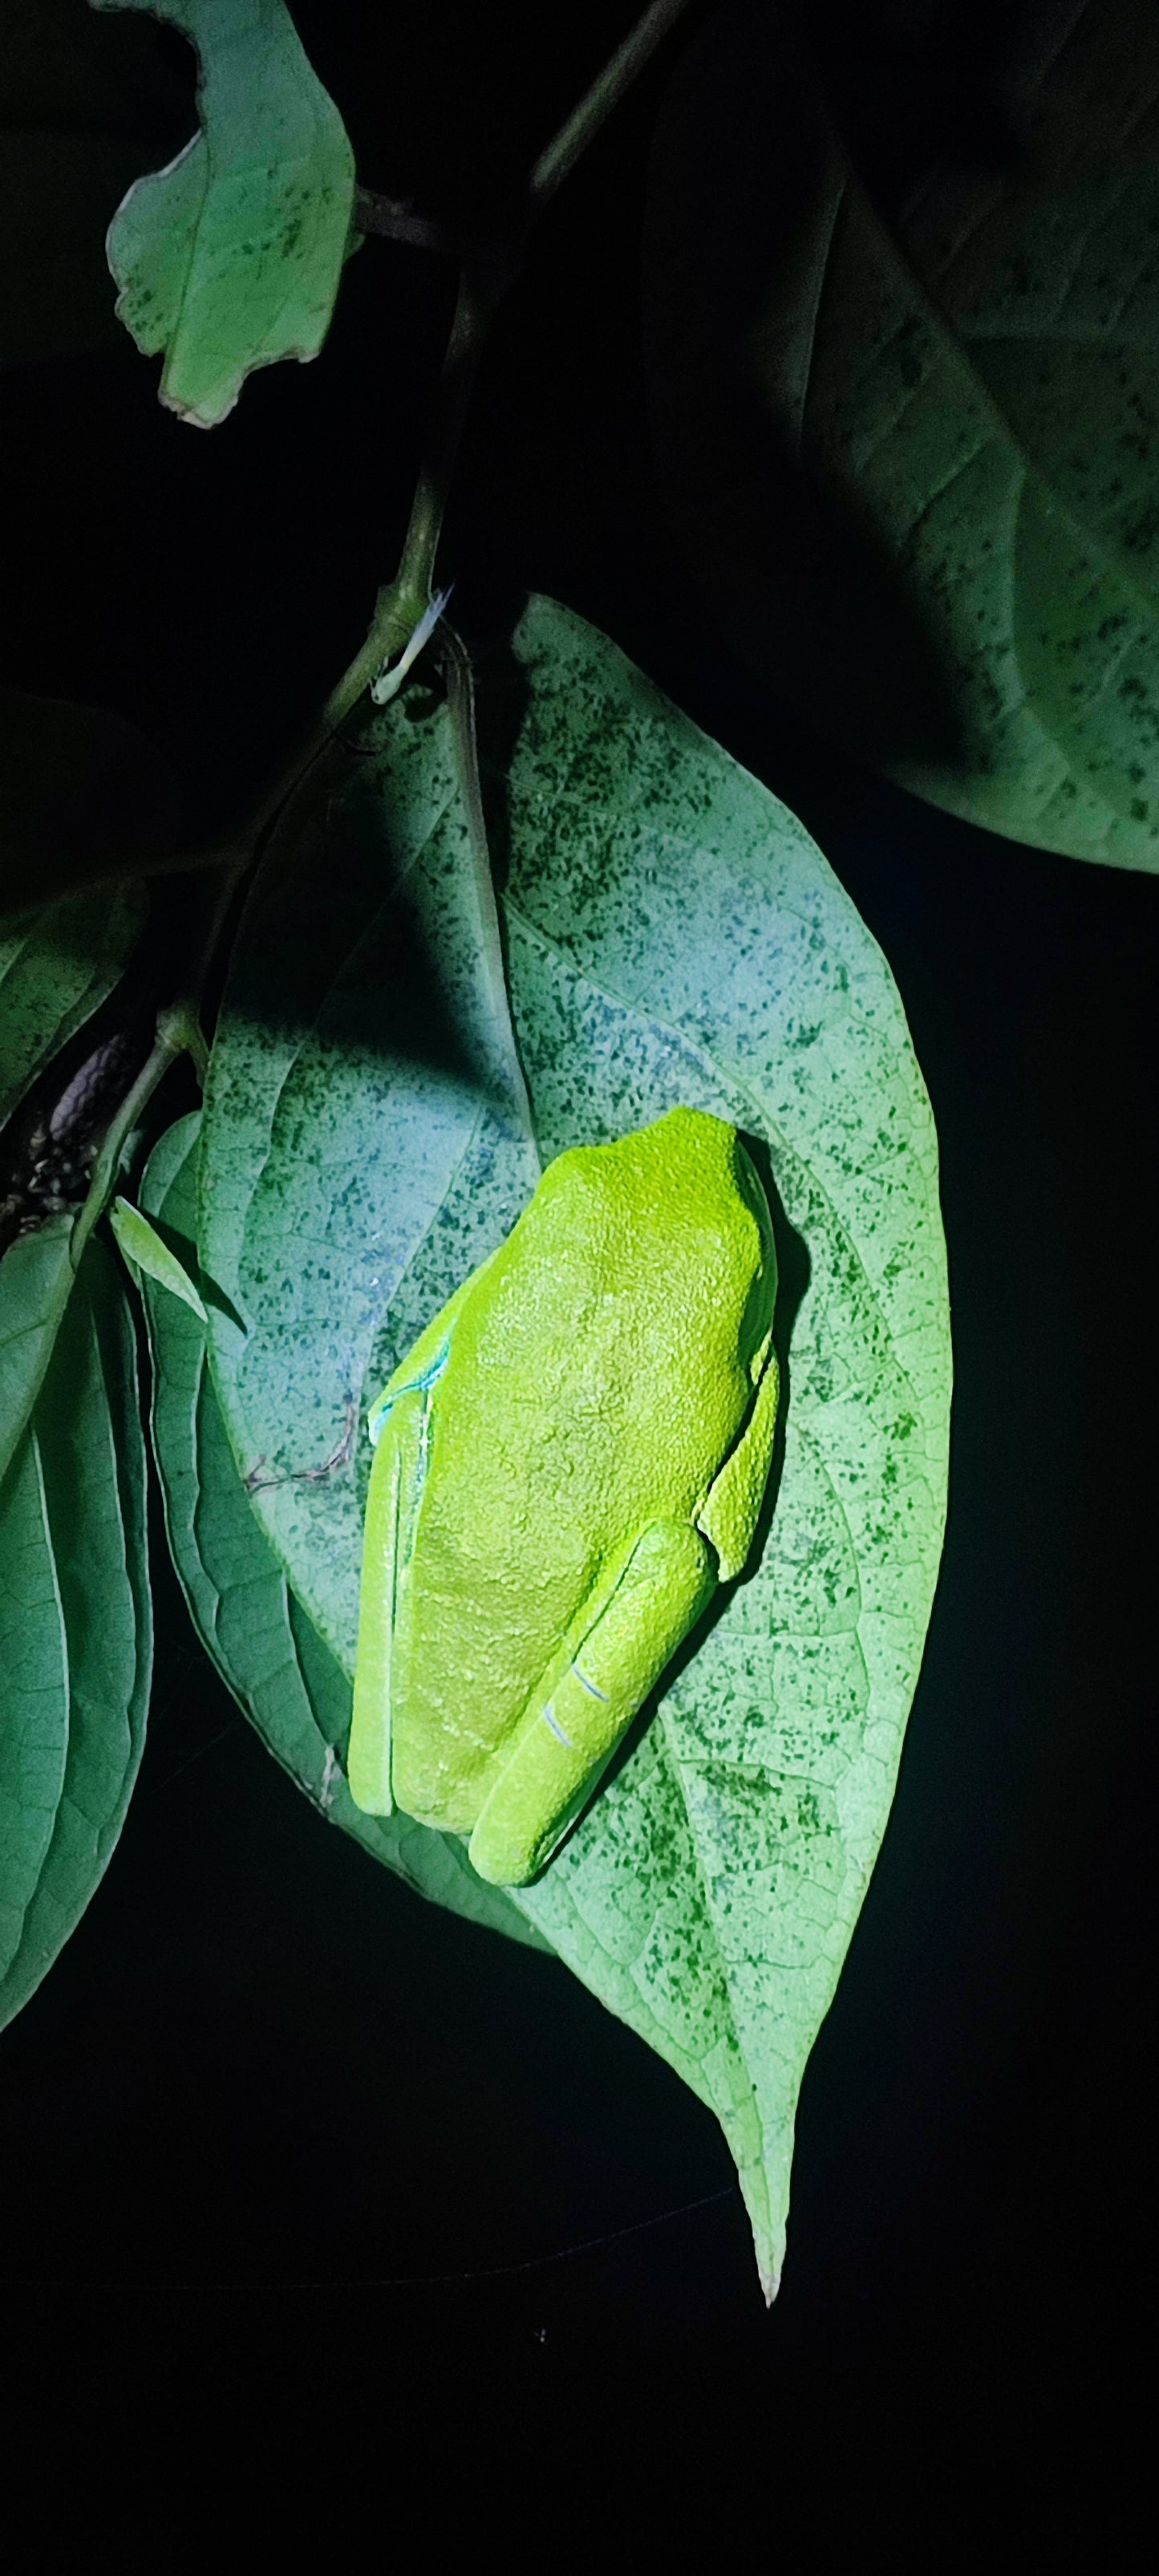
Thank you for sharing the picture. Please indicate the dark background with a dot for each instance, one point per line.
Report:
(267, 2097)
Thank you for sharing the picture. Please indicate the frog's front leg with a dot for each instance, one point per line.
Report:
(733, 1505)
(583, 1706)
(399, 1426)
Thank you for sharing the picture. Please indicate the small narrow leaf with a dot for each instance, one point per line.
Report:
(142, 1245)
(288, 1683)
(672, 935)
(230, 258)
(54, 973)
(75, 1631)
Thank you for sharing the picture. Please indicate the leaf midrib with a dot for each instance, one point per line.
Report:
(309, 1030)
(897, 256)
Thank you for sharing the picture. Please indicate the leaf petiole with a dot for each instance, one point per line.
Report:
(178, 1032)
(560, 156)
(484, 279)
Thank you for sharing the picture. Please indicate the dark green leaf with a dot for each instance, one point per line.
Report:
(911, 447)
(54, 973)
(84, 798)
(36, 1279)
(231, 257)
(672, 935)
(260, 1639)
(75, 1630)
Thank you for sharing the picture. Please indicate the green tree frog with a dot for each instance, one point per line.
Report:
(568, 1461)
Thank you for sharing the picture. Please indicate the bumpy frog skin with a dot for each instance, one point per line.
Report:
(569, 1460)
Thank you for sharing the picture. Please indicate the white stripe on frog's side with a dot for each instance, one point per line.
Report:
(593, 1687)
(556, 1728)
(405, 1521)
(426, 1378)
(395, 1571)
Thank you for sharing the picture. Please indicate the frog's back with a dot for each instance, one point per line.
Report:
(597, 1378)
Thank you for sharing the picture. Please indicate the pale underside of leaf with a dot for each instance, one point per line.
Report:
(672, 935)
(369, 1055)
(291, 1688)
(230, 258)
(75, 1631)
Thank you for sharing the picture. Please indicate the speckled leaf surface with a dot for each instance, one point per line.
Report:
(75, 1630)
(55, 971)
(971, 380)
(230, 258)
(672, 935)
(289, 1684)
(364, 1132)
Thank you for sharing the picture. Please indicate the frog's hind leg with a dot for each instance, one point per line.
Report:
(576, 1717)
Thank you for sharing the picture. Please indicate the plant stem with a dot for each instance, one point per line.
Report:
(617, 76)
(460, 684)
(484, 279)
(177, 1029)
(374, 213)
(400, 607)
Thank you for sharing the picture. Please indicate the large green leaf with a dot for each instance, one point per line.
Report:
(289, 1684)
(363, 1101)
(672, 935)
(911, 446)
(54, 973)
(75, 1630)
(230, 258)
(36, 1280)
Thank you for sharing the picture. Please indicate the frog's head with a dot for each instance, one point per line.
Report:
(710, 1186)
